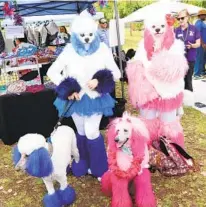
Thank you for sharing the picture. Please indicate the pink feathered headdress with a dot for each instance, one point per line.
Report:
(168, 39)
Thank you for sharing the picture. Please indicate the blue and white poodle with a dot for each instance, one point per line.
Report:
(84, 74)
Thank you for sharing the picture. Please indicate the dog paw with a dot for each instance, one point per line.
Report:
(52, 200)
(66, 196)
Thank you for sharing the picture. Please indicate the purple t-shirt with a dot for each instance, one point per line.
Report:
(190, 34)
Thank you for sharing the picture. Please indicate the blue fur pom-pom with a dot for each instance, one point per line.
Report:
(106, 82)
(67, 196)
(52, 200)
(79, 47)
(67, 87)
(16, 155)
(39, 163)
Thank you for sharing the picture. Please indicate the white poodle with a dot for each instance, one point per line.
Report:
(49, 161)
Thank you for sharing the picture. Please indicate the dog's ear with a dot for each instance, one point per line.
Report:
(111, 134)
(139, 142)
(169, 38)
(148, 43)
(39, 163)
(16, 155)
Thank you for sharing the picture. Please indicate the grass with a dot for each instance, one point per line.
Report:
(20, 190)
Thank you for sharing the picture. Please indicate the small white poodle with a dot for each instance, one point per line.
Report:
(49, 161)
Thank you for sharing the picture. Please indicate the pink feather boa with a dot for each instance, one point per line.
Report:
(140, 89)
(130, 173)
(165, 105)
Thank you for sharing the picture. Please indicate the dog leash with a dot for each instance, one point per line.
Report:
(67, 106)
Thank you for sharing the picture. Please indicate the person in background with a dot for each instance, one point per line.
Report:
(64, 34)
(191, 37)
(2, 43)
(103, 31)
(201, 51)
(27, 74)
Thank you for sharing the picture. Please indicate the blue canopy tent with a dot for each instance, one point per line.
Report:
(46, 7)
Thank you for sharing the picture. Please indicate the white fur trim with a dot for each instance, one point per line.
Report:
(166, 90)
(30, 142)
(83, 24)
(177, 48)
(141, 54)
(82, 68)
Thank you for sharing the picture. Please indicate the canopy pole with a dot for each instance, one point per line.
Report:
(119, 45)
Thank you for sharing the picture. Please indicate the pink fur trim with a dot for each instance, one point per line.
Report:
(167, 67)
(138, 143)
(106, 183)
(140, 89)
(130, 173)
(153, 127)
(173, 131)
(165, 105)
(120, 194)
(148, 43)
(169, 38)
(144, 195)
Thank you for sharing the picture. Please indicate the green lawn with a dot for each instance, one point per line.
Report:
(19, 190)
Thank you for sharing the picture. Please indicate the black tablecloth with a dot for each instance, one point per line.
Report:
(27, 113)
(30, 113)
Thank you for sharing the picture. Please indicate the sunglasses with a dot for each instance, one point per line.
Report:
(103, 22)
(180, 18)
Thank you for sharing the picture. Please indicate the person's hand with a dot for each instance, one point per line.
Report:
(92, 84)
(189, 45)
(75, 96)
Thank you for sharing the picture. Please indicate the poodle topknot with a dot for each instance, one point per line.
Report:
(85, 28)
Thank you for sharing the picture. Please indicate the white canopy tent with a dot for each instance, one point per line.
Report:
(172, 7)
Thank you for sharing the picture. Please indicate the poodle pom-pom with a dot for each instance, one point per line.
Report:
(39, 163)
(67, 196)
(52, 200)
(167, 67)
(16, 155)
(67, 88)
(106, 82)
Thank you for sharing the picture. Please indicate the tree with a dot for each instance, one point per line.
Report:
(124, 7)
(200, 3)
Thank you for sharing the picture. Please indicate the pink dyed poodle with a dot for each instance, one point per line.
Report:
(156, 79)
(128, 161)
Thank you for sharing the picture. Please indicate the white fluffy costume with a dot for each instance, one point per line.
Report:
(34, 155)
(86, 71)
(156, 78)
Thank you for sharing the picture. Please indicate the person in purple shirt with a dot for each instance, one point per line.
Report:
(191, 38)
(201, 51)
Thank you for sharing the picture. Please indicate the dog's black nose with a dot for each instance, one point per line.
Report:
(157, 30)
(86, 40)
(116, 139)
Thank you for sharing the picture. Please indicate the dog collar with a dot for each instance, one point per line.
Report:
(126, 150)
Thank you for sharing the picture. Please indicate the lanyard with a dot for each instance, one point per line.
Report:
(184, 39)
